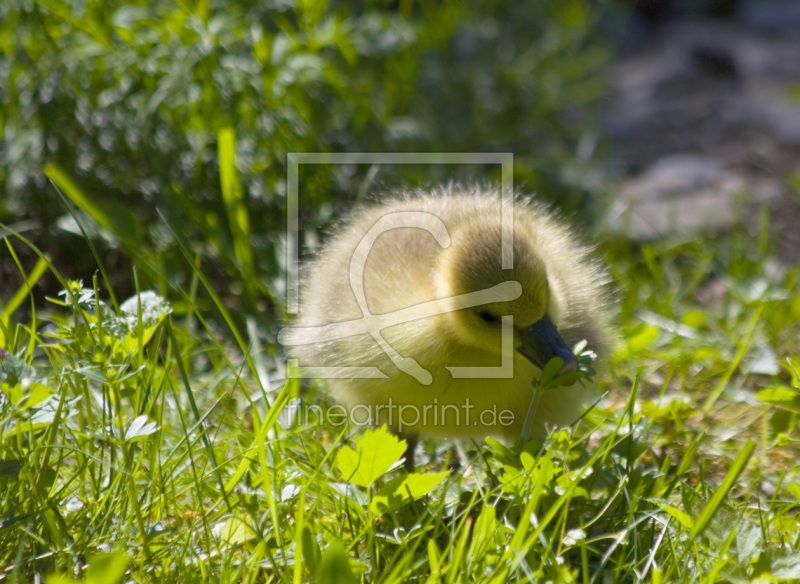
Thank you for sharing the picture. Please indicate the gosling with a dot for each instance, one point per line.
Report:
(425, 313)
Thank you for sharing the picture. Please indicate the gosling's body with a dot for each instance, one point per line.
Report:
(407, 267)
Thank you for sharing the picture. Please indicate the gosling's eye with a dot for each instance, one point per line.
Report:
(488, 317)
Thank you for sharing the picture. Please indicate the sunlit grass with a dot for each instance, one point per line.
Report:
(148, 439)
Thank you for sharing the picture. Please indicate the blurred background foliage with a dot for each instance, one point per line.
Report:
(133, 107)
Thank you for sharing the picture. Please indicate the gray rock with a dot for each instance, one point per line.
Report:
(678, 194)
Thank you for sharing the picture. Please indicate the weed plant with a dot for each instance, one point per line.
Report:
(143, 441)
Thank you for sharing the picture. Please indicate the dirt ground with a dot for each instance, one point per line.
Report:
(705, 120)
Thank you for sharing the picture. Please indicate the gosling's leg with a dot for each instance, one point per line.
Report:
(411, 446)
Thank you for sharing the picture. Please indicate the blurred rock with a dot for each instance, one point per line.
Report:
(703, 122)
(781, 16)
(678, 194)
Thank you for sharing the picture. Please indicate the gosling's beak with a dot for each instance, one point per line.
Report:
(541, 342)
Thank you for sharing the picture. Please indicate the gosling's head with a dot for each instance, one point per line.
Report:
(473, 263)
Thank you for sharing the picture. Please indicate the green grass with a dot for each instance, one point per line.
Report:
(145, 441)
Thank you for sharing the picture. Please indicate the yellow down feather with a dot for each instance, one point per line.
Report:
(413, 292)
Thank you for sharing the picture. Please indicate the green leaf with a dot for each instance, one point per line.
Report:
(236, 207)
(483, 532)
(311, 553)
(538, 474)
(683, 518)
(312, 11)
(786, 567)
(103, 569)
(33, 395)
(116, 217)
(502, 452)
(794, 489)
(19, 297)
(780, 423)
(125, 328)
(748, 543)
(139, 429)
(780, 395)
(37, 393)
(15, 371)
(694, 318)
(107, 568)
(358, 497)
(335, 567)
(565, 480)
(528, 460)
(375, 454)
(42, 416)
(416, 485)
(727, 484)
(642, 337)
(235, 531)
(434, 558)
(550, 370)
(403, 489)
(10, 468)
